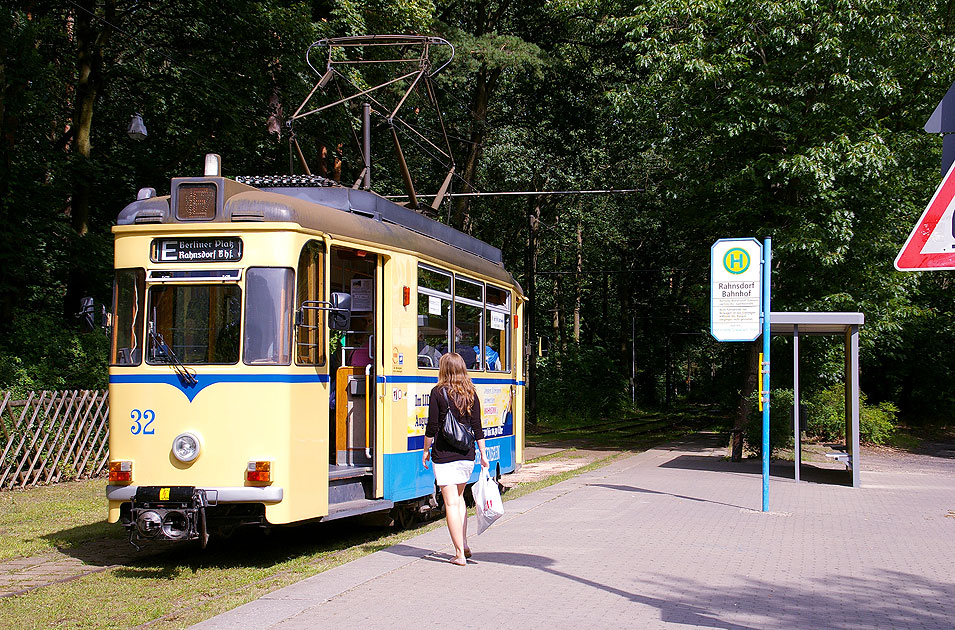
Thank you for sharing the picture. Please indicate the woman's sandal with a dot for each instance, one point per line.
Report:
(467, 552)
(458, 561)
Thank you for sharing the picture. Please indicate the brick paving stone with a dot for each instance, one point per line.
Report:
(669, 538)
(20, 574)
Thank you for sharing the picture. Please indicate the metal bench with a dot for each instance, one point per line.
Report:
(845, 458)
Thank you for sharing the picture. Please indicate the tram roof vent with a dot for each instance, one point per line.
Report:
(149, 210)
(150, 216)
(248, 214)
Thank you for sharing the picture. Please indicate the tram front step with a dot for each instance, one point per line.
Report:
(356, 507)
(349, 489)
(347, 472)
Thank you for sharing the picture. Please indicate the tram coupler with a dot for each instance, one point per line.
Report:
(172, 513)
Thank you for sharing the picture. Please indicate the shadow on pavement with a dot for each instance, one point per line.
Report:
(669, 494)
(781, 469)
(670, 610)
(882, 598)
(885, 598)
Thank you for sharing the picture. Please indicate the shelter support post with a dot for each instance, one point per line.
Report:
(852, 401)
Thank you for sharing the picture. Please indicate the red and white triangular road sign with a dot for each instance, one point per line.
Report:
(931, 245)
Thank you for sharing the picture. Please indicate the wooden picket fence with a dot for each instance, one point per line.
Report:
(53, 436)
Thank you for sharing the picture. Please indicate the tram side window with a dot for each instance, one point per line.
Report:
(268, 312)
(498, 329)
(198, 323)
(434, 315)
(129, 295)
(468, 317)
(310, 334)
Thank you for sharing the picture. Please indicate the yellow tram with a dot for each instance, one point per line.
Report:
(274, 343)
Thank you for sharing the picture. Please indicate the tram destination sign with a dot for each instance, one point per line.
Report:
(735, 289)
(182, 250)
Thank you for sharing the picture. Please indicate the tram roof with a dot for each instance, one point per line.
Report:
(337, 211)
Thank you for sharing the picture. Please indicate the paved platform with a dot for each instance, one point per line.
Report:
(669, 538)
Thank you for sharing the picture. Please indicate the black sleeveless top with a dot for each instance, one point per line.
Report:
(441, 451)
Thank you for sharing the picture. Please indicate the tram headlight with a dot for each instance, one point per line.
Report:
(185, 447)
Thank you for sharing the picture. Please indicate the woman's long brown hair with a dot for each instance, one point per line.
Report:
(453, 375)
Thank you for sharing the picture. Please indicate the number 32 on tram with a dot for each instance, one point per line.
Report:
(274, 344)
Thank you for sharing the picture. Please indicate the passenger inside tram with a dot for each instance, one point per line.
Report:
(464, 345)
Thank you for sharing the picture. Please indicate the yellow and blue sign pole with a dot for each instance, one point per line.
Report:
(764, 368)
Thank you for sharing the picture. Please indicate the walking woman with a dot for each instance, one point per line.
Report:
(452, 468)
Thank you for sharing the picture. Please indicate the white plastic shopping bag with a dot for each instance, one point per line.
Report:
(487, 499)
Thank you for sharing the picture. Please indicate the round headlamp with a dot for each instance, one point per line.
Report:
(185, 447)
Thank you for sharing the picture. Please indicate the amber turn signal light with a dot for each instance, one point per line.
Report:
(120, 472)
(259, 472)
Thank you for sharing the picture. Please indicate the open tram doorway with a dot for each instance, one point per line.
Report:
(352, 418)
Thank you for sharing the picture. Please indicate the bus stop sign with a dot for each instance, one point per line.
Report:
(736, 289)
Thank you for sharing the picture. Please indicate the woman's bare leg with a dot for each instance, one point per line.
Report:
(464, 521)
(453, 502)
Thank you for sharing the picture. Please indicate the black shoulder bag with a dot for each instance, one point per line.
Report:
(459, 436)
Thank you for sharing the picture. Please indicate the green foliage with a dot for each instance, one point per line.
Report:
(780, 422)
(578, 386)
(40, 353)
(826, 413)
(877, 424)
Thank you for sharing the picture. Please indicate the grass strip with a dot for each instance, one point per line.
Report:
(47, 518)
(559, 454)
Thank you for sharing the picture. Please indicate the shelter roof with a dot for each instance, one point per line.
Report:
(814, 323)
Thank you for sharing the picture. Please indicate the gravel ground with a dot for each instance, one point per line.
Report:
(931, 457)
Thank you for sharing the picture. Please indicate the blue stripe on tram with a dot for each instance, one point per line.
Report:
(205, 380)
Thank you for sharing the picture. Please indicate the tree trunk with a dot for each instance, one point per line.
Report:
(530, 341)
(89, 51)
(484, 86)
(750, 379)
(558, 321)
(580, 266)
(667, 384)
(89, 45)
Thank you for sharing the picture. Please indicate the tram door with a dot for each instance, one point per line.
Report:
(353, 361)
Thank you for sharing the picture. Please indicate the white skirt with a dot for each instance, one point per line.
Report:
(453, 473)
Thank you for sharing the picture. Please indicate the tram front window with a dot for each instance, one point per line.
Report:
(199, 323)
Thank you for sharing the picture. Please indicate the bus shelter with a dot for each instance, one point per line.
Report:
(847, 325)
